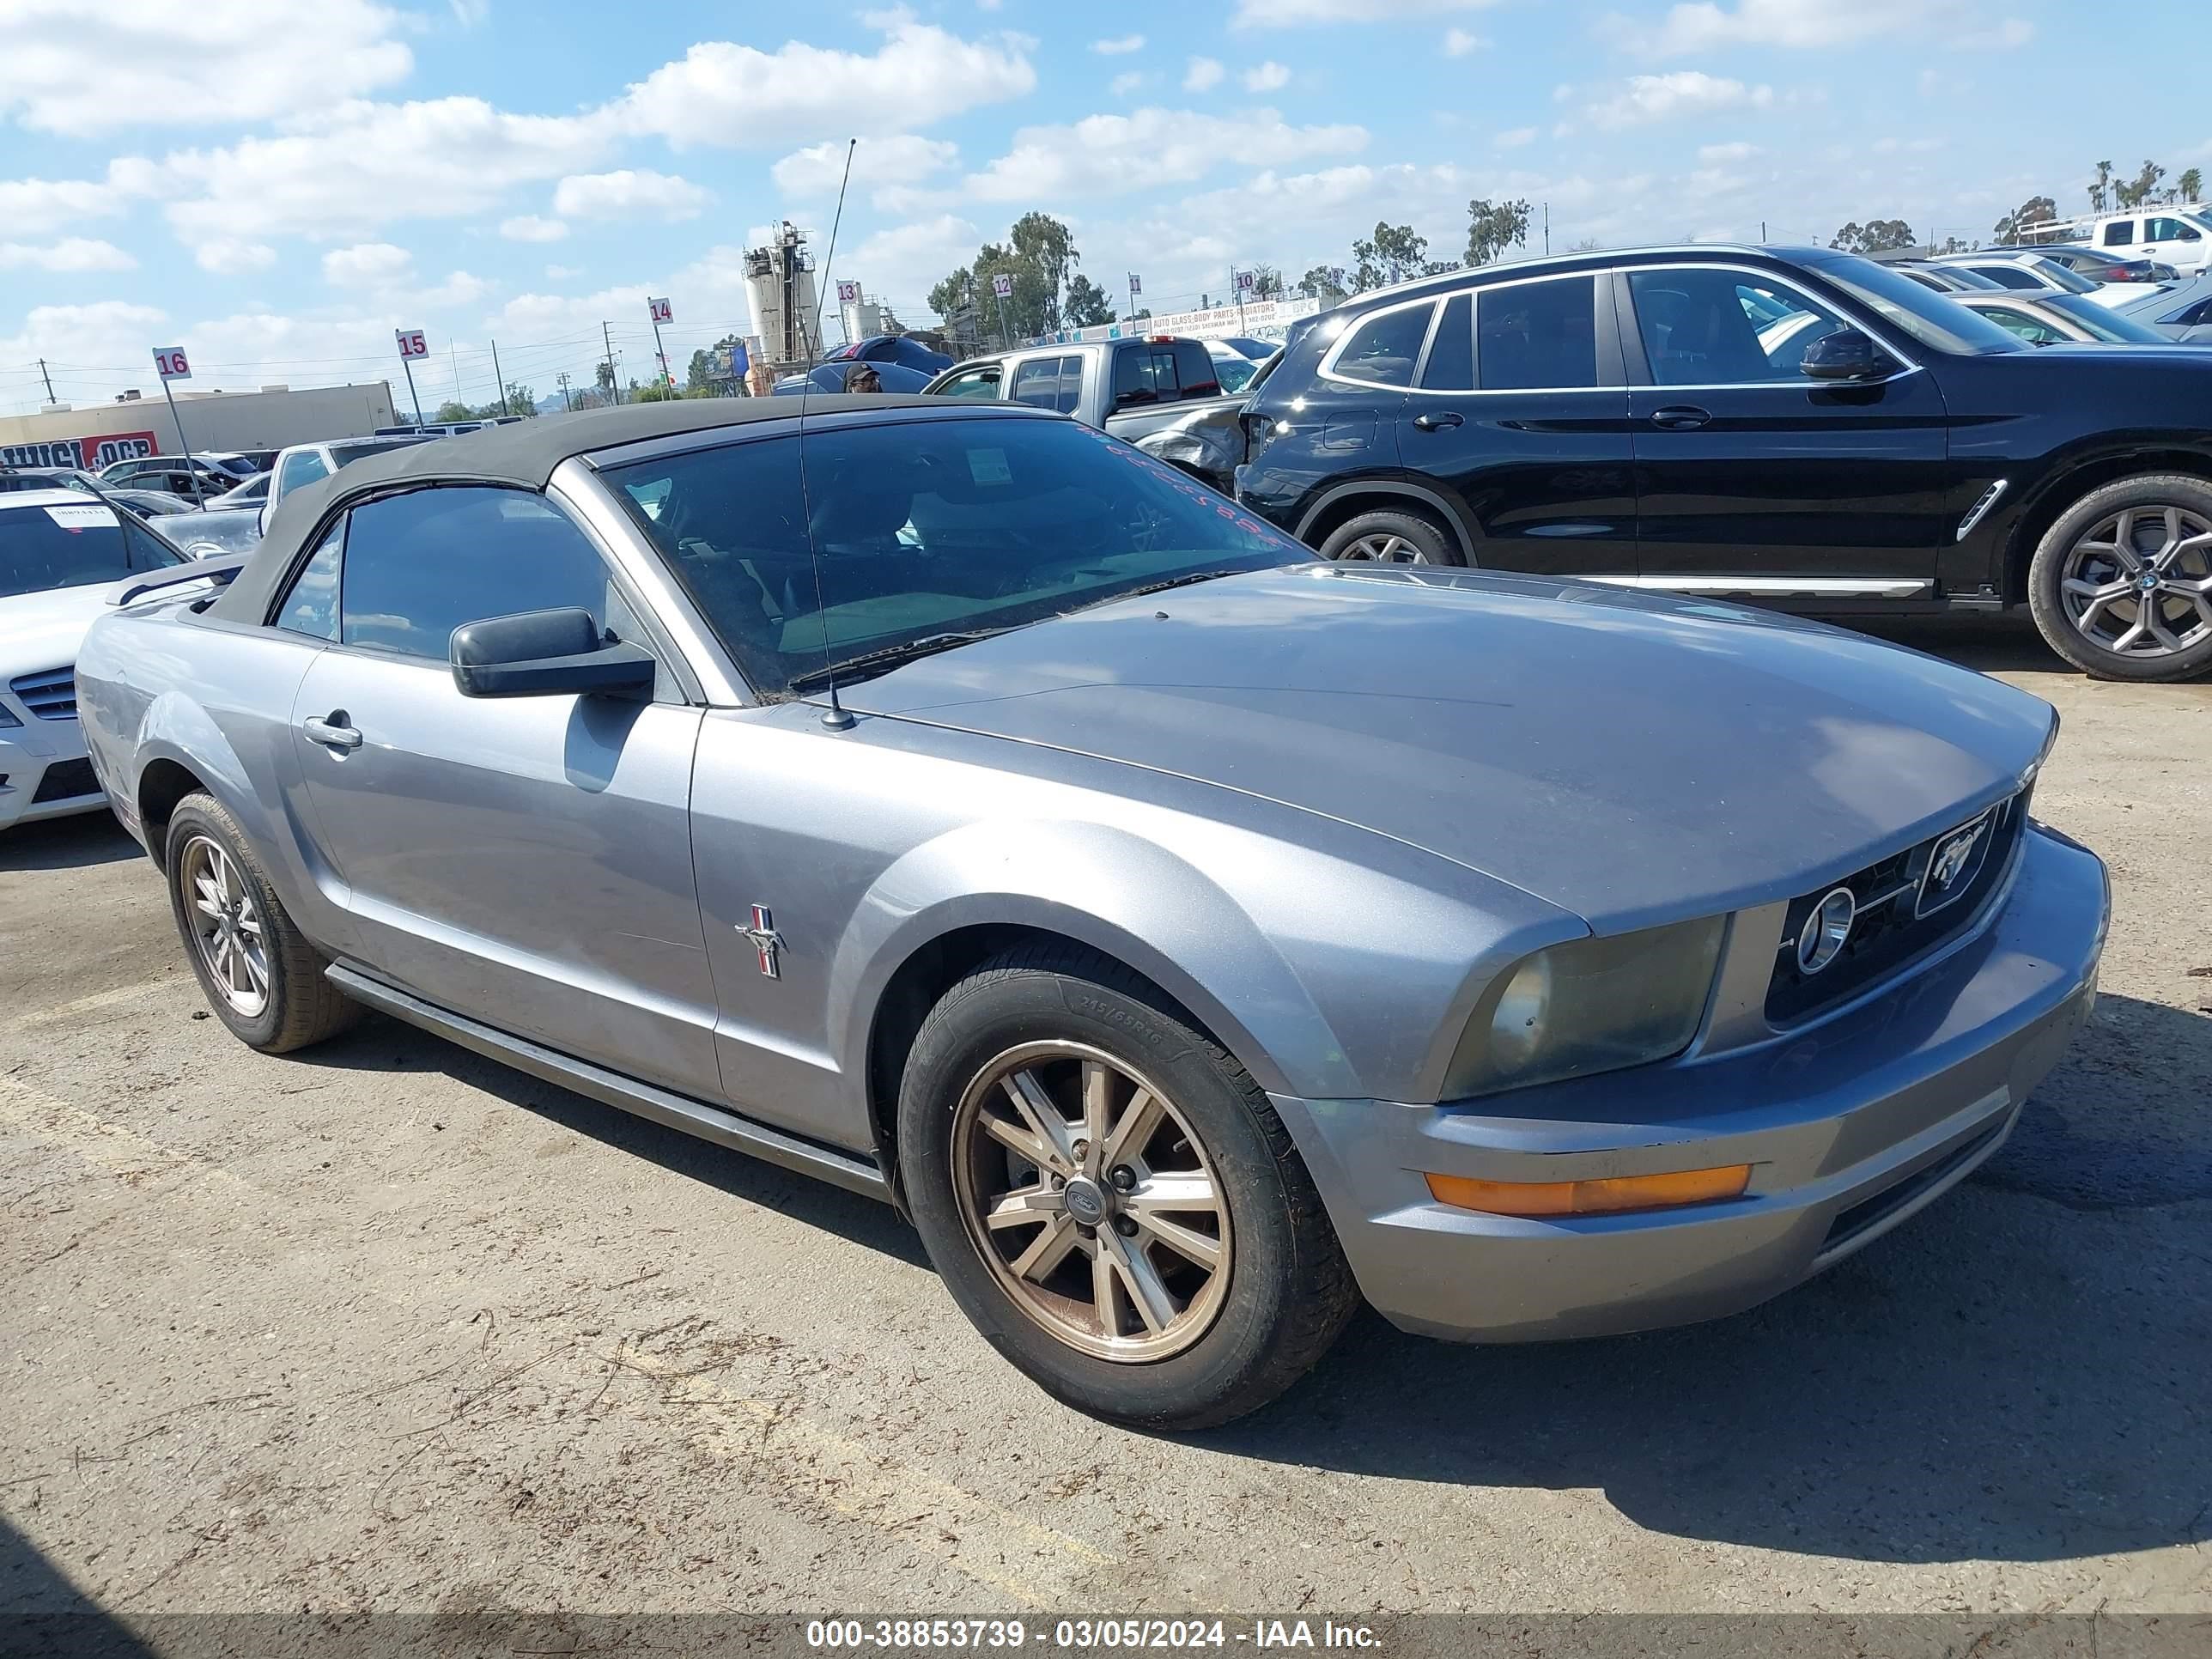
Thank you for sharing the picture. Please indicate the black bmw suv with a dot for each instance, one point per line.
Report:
(1789, 427)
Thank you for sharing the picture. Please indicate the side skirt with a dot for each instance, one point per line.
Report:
(713, 1123)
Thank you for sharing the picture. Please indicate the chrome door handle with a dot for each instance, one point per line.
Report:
(1437, 420)
(1679, 418)
(331, 732)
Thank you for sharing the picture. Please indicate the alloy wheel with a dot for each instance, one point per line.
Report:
(1383, 548)
(227, 926)
(2139, 583)
(1091, 1201)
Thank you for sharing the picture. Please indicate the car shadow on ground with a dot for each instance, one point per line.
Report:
(384, 1044)
(1991, 645)
(45, 1614)
(1992, 1382)
(77, 842)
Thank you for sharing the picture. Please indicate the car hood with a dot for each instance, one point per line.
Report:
(43, 631)
(1631, 757)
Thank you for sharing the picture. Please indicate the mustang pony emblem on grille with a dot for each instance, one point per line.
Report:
(1949, 865)
(766, 940)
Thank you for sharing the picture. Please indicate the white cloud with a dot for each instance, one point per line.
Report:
(1115, 48)
(628, 193)
(1290, 14)
(1800, 24)
(561, 273)
(1458, 43)
(226, 256)
(1125, 83)
(70, 254)
(362, 165)
(366, 264)
(1270, 76)
(910, 259)
(1515, 138)
(32, 207)
(1203, 74)
(1684, 93)
(1714, 154)
(530, 228)
(900, 158)
(1105, 154)
(721, 92)
(79, 70)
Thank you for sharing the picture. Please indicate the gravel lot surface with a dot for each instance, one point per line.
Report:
(385, 1326)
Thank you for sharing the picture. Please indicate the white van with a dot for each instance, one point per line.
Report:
(2178, 236)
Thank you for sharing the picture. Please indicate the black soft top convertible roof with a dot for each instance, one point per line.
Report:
(526, 454)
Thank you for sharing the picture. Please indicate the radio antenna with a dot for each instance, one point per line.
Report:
(830, 259)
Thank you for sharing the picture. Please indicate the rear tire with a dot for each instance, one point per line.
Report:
(261, 977)
(1392, 535)
(1151, 1335)
(2086, 585)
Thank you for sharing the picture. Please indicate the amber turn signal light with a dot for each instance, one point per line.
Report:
(1610, 1196)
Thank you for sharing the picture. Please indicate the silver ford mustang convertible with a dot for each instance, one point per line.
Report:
(1192, 937)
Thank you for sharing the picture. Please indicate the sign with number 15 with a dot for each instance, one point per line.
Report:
(412, 343)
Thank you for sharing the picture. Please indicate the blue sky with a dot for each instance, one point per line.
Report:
(277, 186)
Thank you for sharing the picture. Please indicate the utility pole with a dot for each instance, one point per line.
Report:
(614, 380)
(1547, 227)
(568, 403)
(49, 380)
(495, 376)
(453, 357)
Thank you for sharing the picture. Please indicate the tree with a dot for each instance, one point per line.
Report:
(520, 400)
(1392, 254)
(1087, 306)
(1267, 282)
(1491, 228)
(1875, 236)
(2030, 216)
(2101, 193)
(2141, 188)
(451, 411)
(1039, 254)
(1327, 283)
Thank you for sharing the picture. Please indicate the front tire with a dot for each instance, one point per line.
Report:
(1109, 1197)
(1391, 536)
(2121, 585)
(261, 977)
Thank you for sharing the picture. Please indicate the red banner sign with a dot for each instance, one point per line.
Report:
(88, 454)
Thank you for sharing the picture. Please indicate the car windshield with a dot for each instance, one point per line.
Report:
(68, 545)
(1235, 373)
(2063, 274)
(1926, 315)
(2103, 322)
(952, 527)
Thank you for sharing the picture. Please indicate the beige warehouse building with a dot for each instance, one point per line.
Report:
(93, 435)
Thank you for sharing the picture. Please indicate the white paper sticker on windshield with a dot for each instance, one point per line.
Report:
(91, 516)
(988, 466)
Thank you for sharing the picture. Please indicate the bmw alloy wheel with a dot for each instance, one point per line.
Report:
(1091, 1201)
(227, 926)
(2139, 583)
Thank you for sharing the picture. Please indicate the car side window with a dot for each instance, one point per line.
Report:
(2034, 329)
(1724, 327)
(2121, 232)
(417, 566)
(312, 607)
(301, 469)
(1071, 384)
(2169, 230)
(1450, 367)
(1538, 336)
(2010, 276)
(1038, 382)
(1195, 376)
(982, 383)
(1383, 349)
(1142, 375)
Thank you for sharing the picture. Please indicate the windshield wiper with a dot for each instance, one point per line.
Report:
(888, 657)
(1184, 581)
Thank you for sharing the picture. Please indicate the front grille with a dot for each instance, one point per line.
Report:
(1903, 911)
(65, 781)
(1869, 1212)
(52, 695)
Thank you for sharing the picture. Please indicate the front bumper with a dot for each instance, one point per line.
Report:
(1850, 1126)
(44, 772)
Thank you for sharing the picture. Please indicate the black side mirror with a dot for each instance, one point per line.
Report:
(539, 653)
(1848, 354)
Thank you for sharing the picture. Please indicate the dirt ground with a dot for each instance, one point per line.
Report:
(385, 1326)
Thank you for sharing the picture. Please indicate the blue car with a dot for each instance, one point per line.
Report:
(831, 377)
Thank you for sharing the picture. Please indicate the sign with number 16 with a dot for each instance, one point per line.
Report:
(169, 362)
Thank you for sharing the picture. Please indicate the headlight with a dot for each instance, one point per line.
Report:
(1591, 1005)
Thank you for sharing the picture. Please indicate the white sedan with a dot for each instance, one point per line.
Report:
(60, 552)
